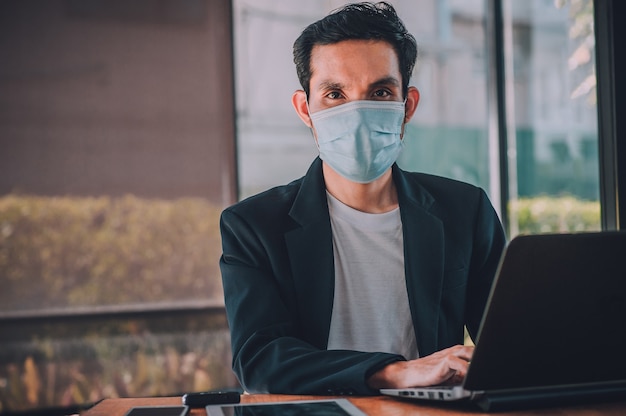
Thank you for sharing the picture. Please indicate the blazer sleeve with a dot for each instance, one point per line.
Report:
(269, 355)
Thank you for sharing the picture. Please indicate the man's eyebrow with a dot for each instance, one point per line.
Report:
(330, 85)
(387, 81)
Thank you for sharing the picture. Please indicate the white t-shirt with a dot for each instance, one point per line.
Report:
(371, 306)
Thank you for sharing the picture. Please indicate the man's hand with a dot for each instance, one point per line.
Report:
(445, 366)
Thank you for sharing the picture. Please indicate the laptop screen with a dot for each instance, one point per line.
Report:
(556, 314)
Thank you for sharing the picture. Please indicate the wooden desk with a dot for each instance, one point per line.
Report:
(378, 405)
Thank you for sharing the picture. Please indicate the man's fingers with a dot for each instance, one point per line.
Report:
(463, 351)
(445, 366)
(457, 363)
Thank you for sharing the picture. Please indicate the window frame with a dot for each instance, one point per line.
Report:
(611, 97)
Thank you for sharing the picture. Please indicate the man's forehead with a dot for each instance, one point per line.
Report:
(350, 45)
(354, 61)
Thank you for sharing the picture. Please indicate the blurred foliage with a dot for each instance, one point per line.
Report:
(66, 372)
(549, 214)
(69, 251)
(582, 56)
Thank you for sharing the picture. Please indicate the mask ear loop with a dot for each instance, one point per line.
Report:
(308, 110)
(403, 123)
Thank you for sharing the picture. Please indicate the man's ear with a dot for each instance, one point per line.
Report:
(298, 99)
(412, 99)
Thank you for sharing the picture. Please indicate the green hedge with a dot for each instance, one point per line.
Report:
(70, 251)
(547, 214)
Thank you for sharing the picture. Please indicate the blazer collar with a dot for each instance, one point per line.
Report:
(311, 254)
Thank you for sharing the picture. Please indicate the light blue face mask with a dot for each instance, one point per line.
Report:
(360, 140)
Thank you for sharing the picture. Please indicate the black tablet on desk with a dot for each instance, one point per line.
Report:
(331, 407)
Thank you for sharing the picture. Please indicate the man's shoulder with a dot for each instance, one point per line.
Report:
(276, 198)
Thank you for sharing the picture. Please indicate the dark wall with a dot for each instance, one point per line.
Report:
(116, 97)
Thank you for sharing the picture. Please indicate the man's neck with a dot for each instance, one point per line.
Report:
(375, 197)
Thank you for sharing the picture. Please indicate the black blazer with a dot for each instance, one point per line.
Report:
(278, 276)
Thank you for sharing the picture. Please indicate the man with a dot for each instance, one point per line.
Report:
(359, 275)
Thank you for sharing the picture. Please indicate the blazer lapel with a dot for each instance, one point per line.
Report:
(423, 260)
(311, 255)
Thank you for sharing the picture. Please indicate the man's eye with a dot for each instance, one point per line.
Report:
(381, 93)
(333, 95)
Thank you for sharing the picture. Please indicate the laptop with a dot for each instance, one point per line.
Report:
(554, 329)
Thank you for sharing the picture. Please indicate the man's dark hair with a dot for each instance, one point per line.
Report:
(362, 21)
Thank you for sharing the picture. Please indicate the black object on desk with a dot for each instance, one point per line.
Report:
(202, 399)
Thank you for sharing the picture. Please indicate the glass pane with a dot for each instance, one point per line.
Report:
(554, 174)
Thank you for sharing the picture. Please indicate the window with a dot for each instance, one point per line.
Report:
(117, 138)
